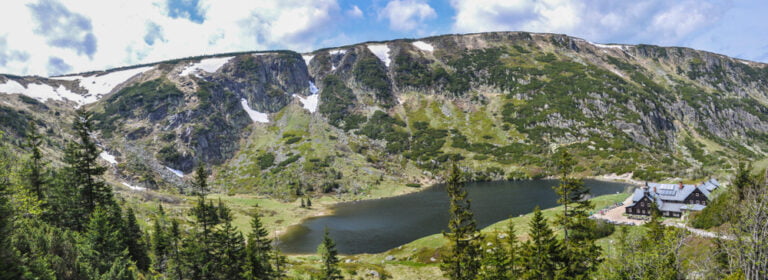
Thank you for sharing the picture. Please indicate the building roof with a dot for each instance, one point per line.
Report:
(670, 197)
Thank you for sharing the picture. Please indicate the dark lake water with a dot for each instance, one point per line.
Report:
(374, 226)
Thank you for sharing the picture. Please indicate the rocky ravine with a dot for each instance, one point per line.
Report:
(351, 118)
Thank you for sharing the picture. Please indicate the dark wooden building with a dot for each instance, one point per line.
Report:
(671, 199)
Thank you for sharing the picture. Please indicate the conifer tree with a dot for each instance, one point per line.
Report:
(175, 258)
(63, 203)
(258, 251)
(35, 169)
(161, 241)
(309, 202)
(229, 251)
(462, 262)
(329, 255)
(103, 235)
(302, 203)
(541, 252)
(495, 262)
(9, 267)
(81, 156)
(581, 256)
(513, 252)
(134, 241)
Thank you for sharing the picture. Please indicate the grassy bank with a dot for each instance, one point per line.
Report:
(420, 259)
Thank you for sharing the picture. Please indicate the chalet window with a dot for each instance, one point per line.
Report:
(697, 194)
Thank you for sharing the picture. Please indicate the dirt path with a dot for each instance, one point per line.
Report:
(616, 215)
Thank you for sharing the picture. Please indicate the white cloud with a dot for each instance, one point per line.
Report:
(130, 32)
(645, 21)
(407, 15)
(355, 12)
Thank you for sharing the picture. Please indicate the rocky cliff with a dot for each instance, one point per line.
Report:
(351, 118)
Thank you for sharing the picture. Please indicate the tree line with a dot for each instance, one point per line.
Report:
(654, 252)
(65, 223)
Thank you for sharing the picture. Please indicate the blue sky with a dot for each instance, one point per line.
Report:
(50, 37)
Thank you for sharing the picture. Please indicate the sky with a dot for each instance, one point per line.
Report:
(53, 37)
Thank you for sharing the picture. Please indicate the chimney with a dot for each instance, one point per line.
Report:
(681, 185)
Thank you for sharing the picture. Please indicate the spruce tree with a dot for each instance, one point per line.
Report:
(495, 262)
(9, 266)
(581, 256)
(462, 262)
(229, 251)
(309, 202)
(81, 157)
(103, 235)
(161, 241)
(134, 241)
(513, 252)
(541, 253)
(258, 251)
(329, 255)
(175, 257)
(35, 169)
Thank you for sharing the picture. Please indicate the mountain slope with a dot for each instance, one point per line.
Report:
(359, 117)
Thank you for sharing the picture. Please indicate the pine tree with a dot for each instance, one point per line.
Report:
(327, 251)
(197, 250)
(495, 262)
(229, 253)
(513, 252)
(63, 202)
(9, 267)
(134, 241)
(581, 256)
(161, 241)
(302, 203)
(309, 202)
(35, 169)
(175, 258)
(462, 262)
(743, 180)
(84, 170)
(103, 235)
(258, 252)
(540, 253)
(206, 214)
(119, 270)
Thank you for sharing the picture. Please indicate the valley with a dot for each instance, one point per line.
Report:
(362, 128)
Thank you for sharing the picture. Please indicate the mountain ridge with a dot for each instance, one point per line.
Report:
(392, 112)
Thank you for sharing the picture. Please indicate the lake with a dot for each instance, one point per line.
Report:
(375, 226)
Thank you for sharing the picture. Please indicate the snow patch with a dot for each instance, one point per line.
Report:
(108, 157)
(382, 52)
(177, 172)
(256, 116)
(424, 46)
(310, 102)
(307, 58)
(43, 92)
(337, 52)
(135, 188)
(209, 65)
(620, 47)
(99, 85)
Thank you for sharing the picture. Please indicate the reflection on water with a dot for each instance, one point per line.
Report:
(374, 226)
